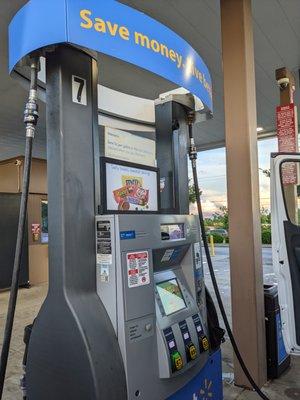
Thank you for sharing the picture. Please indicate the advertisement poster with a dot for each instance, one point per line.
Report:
(131, 189)
(287, 140)
(138, 269)
(125, 146)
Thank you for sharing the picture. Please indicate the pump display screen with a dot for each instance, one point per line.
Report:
(171, 296)
(130, 187)
(172, 232)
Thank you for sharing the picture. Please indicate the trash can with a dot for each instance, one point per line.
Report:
(277, 358)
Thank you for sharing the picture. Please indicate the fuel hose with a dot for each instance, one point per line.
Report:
(31, 116)
(193, 158)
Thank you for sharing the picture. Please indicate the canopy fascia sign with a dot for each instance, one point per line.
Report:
(113, 29)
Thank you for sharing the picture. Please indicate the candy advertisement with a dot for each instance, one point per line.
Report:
(131, 189)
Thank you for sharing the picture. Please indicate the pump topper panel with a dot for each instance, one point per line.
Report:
(113, 29)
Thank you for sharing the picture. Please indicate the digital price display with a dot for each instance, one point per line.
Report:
(172, 231)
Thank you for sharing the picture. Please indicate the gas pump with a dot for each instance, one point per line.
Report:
(150, 273)
(125, 316)
(150, 294)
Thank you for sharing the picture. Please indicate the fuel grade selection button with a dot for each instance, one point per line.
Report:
(175, 356)
(177, 362)
(190, 348)
(192, 351)
(204, 343)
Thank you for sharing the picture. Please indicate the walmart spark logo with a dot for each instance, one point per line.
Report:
(205, 392)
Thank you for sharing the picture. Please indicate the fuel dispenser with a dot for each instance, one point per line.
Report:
(125, 316)
(150, 293)
(150, 272)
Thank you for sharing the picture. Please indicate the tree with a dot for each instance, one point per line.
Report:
(265, 216)
(192, 192)
(219, 219)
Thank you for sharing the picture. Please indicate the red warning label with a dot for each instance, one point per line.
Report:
(138, 269)
(287, 140)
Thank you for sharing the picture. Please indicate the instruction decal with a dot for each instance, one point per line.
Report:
(197, 255)
(104, 249)
(138, 269)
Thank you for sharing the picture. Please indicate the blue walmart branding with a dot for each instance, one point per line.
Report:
(114, 29)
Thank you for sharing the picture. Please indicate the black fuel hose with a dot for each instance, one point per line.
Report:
(193, 158)
(30, 118)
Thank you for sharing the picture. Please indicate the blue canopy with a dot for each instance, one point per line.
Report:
(114, 29)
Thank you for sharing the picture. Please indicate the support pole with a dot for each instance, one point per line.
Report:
(172, 144)
(287, 91)
(73, 351)
(243, 189)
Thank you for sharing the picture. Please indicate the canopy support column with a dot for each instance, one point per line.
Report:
(243, 189)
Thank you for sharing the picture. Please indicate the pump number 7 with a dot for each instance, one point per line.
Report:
(79, 93)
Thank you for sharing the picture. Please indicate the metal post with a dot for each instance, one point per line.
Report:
(286, 91)
(73, 353)
(243, 189)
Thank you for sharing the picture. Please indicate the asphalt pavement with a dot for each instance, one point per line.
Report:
(221, 263)
(222, 257)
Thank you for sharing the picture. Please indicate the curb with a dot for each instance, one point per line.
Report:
(227, 245)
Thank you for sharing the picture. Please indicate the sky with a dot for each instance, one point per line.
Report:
(212, 176)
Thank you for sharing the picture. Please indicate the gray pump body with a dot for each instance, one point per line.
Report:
(136, 309)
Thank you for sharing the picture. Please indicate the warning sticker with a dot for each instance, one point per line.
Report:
(104, 258)
(197, 255)
(138, 269)
(104, 249)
